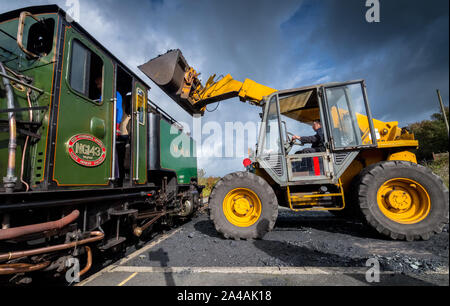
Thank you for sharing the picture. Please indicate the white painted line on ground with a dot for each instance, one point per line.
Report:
(243, 270)
(257, 270)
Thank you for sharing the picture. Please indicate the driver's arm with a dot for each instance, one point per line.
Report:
(306, 139)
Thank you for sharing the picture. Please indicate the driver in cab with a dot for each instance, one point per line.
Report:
(317, 140)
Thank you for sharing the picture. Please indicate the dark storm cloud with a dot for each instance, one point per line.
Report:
(283, 44)
(404, 58)
(243, 38)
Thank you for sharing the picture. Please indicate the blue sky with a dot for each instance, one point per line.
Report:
(283, 44)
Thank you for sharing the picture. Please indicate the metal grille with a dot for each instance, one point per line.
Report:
(340, 157)
(274, 163)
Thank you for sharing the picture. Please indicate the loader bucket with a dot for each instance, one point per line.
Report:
(168, 72)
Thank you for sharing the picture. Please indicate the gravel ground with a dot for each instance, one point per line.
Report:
(313, 239)
(308, 239)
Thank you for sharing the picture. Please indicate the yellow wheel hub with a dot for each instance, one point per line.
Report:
(399, 199)
(404, 201)
(242, 207)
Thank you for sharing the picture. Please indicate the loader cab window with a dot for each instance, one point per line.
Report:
(301, 116)
(270, 145)
(272, 141)
(348, 116)
(86, 72)
(298, 113)
(40, 37)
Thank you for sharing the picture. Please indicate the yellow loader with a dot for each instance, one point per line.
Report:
(366, 167)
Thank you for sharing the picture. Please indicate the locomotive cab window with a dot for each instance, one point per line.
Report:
(86, 72)
(40, 37)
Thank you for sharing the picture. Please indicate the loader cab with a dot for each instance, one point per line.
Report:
(343, 111)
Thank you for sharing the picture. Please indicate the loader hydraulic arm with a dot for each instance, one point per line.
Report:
(227, 87)
(180, 81)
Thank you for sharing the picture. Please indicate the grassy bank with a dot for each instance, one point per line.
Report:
(440, 167)
(209, 183)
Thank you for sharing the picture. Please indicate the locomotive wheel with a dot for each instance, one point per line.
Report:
(403, 200)
(243, 205)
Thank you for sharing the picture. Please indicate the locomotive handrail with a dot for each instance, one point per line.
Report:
(160, 110)
(22, 19)
(164, 114)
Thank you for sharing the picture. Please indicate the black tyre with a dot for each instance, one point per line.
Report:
(403, 200)
(243, 205)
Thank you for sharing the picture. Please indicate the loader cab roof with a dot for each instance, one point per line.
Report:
(49, 9)
(302, 104)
